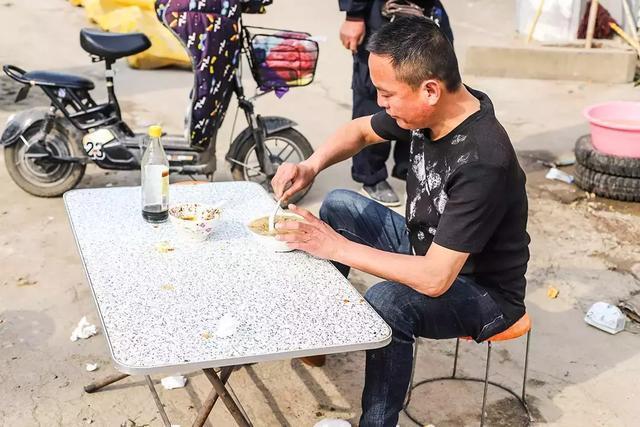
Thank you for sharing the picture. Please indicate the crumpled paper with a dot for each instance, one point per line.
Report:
(558, 175)
(84, 330)
(91, 367)
(176, 381)
(227, 326)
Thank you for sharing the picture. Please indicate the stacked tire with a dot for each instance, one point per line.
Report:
(613, 177)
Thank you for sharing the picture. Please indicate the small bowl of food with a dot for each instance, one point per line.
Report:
(194, 220)
(259, 229)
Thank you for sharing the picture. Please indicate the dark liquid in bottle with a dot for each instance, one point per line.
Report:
(154, 214)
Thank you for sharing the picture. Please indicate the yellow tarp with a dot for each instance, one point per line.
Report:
(124, 16)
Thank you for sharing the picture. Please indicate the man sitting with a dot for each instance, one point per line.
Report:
(455, 264)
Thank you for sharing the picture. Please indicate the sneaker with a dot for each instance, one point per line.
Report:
(382, 193)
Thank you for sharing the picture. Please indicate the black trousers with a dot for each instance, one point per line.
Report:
(369, 166)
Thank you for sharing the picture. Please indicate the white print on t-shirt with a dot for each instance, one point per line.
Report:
(458, 139)
(412, 206)
(464, 159)
(419, 169)
(417, 134)
(420, 172)
(433, 180)
(441, 201)
(431, 183)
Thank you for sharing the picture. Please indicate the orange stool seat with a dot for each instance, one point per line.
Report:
(518, 329)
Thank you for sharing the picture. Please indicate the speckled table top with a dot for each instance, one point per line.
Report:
(161, 311)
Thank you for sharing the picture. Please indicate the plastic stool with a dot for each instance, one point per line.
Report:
(518, 329)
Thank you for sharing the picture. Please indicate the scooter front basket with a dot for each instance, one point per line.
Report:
(254, 6)
(282, 58)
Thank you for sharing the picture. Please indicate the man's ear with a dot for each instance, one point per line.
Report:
(431, 92)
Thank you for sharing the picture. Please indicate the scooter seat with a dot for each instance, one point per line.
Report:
(113, 45)
(49, 78)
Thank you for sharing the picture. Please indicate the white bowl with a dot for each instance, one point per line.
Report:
(269, 241)
(194, 220)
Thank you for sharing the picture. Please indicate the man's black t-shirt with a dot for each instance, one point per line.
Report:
(466, 192)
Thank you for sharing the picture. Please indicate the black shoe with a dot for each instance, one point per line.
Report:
(382, 193)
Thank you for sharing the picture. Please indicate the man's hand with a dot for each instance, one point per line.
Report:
(351, 34)
(291, 178)
(312, 236)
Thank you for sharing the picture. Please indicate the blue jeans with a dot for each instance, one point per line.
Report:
(466, 309)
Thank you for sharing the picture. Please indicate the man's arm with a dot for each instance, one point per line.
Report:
(432, 274)
(346, 142)
(353, 29)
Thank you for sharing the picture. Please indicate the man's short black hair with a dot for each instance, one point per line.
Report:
(419, 51)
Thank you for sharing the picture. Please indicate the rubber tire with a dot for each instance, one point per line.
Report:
(593, 159)
(67, 184)
(292, 135)
(609, 186)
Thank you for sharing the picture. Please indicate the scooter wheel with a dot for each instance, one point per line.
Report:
(44, 178)
(287, 145)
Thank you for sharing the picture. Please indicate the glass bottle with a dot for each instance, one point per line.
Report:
(155, 179)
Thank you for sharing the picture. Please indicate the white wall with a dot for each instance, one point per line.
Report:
(560, 18)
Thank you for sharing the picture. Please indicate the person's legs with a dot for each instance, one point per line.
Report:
(401, 159)
(364, 221)
(464, 310)
(369, 165)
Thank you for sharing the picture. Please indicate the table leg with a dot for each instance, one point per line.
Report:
(237, 402)
(233, 408)
(97, 385)
(211, 400)
(156, 398)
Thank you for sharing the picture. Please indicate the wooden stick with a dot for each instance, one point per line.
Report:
(535, 21)
(629, 17)
(98, 384)
(158, 402)
(591, 25)
(625, 37)
(211, 400)
(226, 398)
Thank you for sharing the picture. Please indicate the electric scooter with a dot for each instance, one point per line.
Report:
(47, 150)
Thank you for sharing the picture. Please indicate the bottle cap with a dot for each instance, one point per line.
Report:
(155, 131)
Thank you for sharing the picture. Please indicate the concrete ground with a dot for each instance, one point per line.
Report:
(587, 248)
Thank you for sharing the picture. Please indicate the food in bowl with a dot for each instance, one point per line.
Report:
(195, 220)
(259, 228)
(261, 225)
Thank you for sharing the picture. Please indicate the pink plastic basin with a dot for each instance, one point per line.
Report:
(615, 127)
